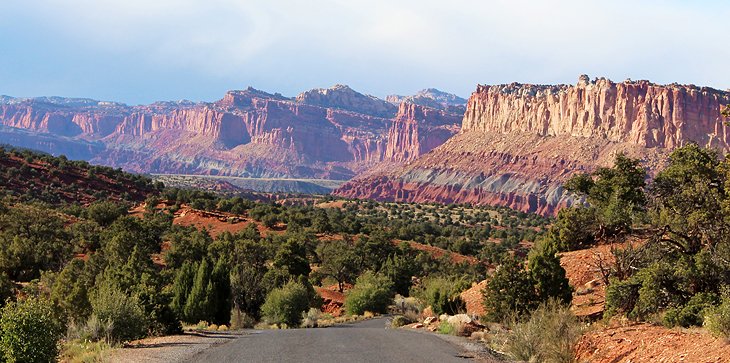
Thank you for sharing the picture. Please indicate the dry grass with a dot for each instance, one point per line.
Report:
(77, 351)
(550, 335)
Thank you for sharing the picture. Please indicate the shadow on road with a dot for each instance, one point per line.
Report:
(201, 334)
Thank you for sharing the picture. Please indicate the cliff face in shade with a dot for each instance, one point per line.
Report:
(333, 133)
(519, 143)
(417, 130)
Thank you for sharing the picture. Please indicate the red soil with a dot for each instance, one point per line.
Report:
(437, 252)
(339, 204)
(216, 222)
(69, 183)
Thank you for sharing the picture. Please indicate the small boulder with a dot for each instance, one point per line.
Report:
(417, 326)
(443, 317)
(459, 319)
(429, 320)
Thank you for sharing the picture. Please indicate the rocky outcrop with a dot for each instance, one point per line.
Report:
(519, 143)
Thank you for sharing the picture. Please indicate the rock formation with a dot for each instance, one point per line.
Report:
(518, 143)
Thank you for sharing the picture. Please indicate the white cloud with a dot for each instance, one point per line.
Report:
(388, 46)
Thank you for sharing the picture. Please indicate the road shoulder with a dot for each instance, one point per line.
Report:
(172, 348)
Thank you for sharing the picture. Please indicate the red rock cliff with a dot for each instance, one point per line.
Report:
(639, 113)
(519, 143)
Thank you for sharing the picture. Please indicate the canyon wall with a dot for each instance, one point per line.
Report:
(519, 143)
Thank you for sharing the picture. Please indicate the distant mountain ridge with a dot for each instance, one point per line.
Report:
(433, 98)
(332, 133)
(345, 98)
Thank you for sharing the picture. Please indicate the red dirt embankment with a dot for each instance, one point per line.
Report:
(581, 269)
(332, 299)
(215, 223)
(474, 300)
(633, 343)
(649, 343)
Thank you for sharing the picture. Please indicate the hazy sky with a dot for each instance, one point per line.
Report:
(139, 51)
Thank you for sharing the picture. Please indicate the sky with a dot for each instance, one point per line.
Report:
(141, 51)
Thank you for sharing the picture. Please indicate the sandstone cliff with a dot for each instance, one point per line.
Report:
(640, 112)
(518, 143)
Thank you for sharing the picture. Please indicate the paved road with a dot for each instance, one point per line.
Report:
(366, 341)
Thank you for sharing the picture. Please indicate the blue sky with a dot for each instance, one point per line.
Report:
(139, 51)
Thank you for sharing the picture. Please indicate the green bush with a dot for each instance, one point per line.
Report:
(621, 296)
(70, 293)
(446, 328)
(372, 292)
(717, 319)
(692, 313)
(550, 335)
(124, 313)
(198, 304)
(573, 229)
(442, 294)
(548, 274)
(510, 290)
(105, 212)
(30, 330)
(310, 319)
(93, 330)
(286, 304)
(6, 288)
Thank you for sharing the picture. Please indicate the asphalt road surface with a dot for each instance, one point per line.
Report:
(366, 341)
